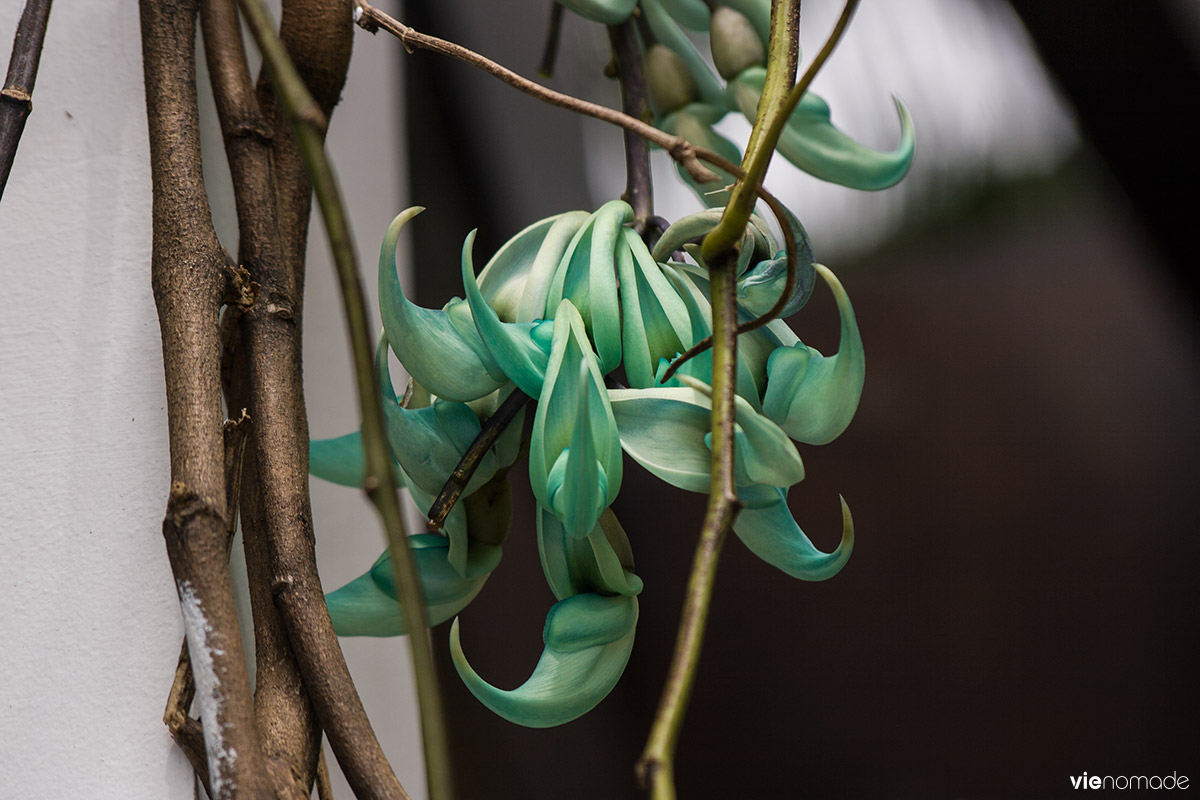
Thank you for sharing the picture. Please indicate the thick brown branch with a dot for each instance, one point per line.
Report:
(318, 35)
(188, 278)
(275, 502)
(16, 98)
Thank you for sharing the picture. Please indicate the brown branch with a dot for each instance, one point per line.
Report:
(296, 585)
(491, 429)
(265, 380)
(188, 278)
(16, 98)
(639, 189)
(319, 38)
(371, 19)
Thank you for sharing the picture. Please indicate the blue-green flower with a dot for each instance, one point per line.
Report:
(555, 312)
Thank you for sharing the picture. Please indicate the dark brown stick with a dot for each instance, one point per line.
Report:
(639, 189)
(188, 275)
(16, 98)
(291, 736)
(317, 35)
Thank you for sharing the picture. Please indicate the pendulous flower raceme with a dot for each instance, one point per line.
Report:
(560, 313)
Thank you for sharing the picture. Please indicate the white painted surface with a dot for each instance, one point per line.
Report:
(90, 620)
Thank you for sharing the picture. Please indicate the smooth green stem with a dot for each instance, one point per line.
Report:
(656, 768)
(778, 101)
(308, 125)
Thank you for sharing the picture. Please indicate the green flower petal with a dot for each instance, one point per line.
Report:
(667, 431)
(587, 276)
(588, 640)
(814, 397)
(772, 534)
(367, 606)
(655, 323)
(693, 289)
(692, 14)
(575, 452)
(516, 280)
(439, 349)
(339, 460)
(521, 350)
(601, 562)
(695, 226)
(759, 288)
(812, 143)
(608, 12)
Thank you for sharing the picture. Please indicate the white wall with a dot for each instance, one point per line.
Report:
(91, 626)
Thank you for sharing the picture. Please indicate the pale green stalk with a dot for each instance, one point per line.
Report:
(779, 98)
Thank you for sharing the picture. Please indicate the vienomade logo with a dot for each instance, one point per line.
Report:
(1172, 781)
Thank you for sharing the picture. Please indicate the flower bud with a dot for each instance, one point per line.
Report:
(734, 42)
(670, 82)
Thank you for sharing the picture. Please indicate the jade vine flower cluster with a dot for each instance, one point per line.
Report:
(688, 99)
(568, 311)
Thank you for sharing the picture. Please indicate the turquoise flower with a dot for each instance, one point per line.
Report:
(563, 308)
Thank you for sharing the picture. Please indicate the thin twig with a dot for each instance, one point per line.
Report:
(639, 190)
(307, 124)
(16, 98)
(188, 275)
(489, 431)
(324, 787)
(371, 19)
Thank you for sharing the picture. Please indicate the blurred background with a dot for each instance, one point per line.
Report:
(1021, 605)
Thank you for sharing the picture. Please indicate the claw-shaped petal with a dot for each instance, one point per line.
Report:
(695, 226)
(440, 349)
(667, 431)
(767, 527)
(587, 276)
(812, 143)
(575, 452)
(655, 323)
(520, 349)
(367, 606)
(588, 640)
(814, 397)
